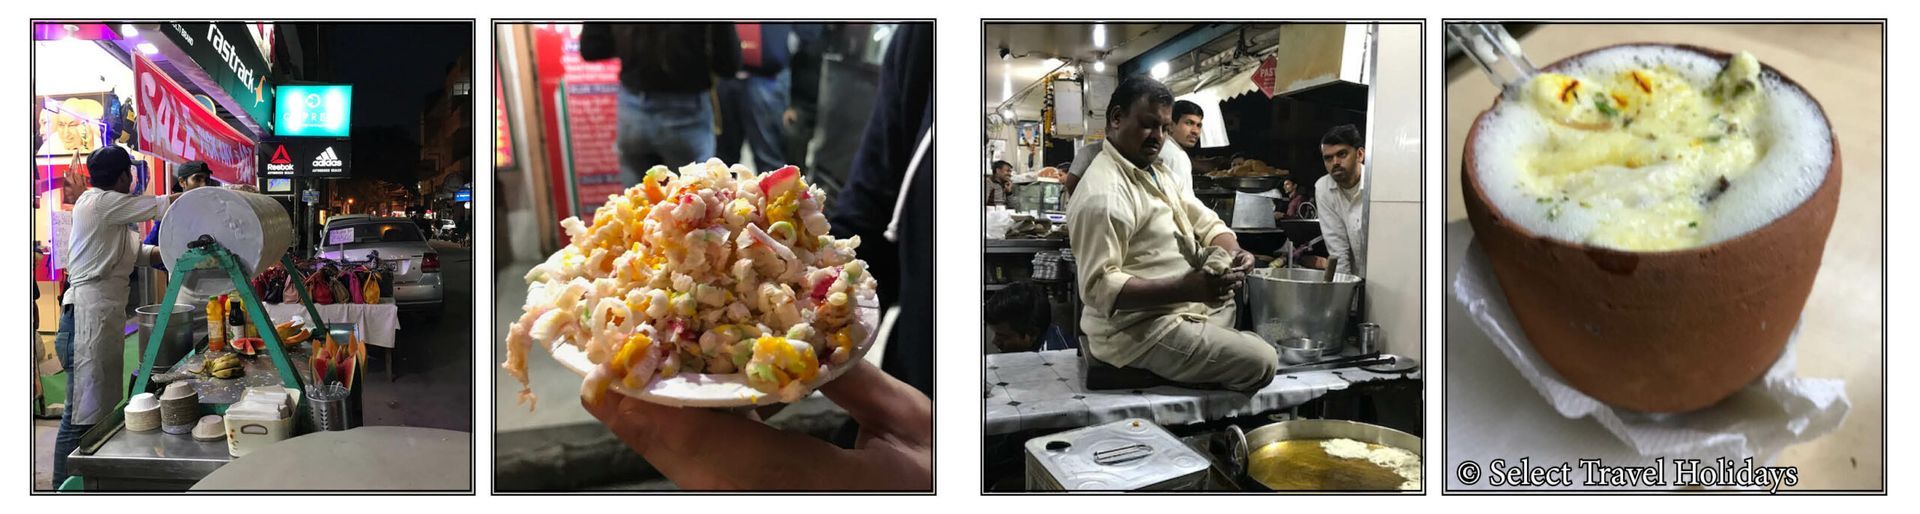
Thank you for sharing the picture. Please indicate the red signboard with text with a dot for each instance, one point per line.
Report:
(1263, 77)
(178, 129)
(588, 92)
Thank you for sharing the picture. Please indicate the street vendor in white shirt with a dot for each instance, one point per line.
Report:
(1156, 268)
(103, 252)
(1342, 198)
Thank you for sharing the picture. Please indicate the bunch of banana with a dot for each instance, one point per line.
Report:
(227, 365)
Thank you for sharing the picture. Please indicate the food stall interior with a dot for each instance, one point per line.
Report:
(1269, 93)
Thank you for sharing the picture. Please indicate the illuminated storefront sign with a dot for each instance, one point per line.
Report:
(313, 111)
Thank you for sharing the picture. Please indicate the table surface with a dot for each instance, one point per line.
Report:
(378, 321)
(1842, 332)
(362, 459)
(157, 455)
(1047, 391)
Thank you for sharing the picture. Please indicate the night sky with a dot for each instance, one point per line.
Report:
(392, 67)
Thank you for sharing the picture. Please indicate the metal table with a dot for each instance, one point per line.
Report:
(1047, 391)
(155, 460)
(362, 459)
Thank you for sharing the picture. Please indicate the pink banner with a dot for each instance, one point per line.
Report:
(176, 128)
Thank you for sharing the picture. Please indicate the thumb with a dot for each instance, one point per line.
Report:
(883, 404)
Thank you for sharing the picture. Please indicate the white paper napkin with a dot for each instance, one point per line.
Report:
(1771, 414)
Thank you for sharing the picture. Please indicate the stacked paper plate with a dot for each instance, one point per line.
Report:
(143, 412)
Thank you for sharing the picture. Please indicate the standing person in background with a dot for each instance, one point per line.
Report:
(754, 99)
(803, 100)
(191, 175)
(1296, 199)
(666, 69)
(1342, 197)
(103, 254)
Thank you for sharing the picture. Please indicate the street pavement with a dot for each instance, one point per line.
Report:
(432, 384)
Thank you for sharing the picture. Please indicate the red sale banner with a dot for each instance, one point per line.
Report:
(176, 128)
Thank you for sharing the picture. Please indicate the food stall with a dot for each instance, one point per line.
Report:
(1268, 93)
(225, 340)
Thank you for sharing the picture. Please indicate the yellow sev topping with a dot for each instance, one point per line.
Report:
(777, 362)
(622, 361)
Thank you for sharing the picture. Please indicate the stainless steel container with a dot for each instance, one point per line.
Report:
(1296, 303)
(178, 340)
(328, 404)
(1126, 455)
(1369, 337)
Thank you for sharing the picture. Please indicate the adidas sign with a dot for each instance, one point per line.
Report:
(327, 159)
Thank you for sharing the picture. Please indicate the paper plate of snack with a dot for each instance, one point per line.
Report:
(706, 287)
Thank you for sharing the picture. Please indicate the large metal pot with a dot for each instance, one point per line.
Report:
(1297, 303)
(178, 339)
(1273, 470)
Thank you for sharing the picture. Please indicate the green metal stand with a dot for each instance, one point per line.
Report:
(205, 249)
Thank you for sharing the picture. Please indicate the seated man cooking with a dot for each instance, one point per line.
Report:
(1157, 268)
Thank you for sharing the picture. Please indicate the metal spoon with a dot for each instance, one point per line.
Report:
(1497, 53)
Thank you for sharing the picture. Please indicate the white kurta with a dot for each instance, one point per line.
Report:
(1343, 223)
(1125, 222)
(102, 255)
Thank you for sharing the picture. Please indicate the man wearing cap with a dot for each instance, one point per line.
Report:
(102, 254)
(191, 175)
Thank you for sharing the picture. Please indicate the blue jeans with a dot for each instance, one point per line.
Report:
(671, 129)
(750, 111)
(68, 439)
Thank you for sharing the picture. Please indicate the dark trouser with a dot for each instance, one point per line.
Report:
(750, 111)
(799, 136)
(671, 129)
(68, 439)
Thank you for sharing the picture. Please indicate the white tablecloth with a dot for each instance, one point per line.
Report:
(1047, 390)
(377, 322)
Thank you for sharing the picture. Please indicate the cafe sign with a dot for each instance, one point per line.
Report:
(175, 127)
(227, 53)
(314, 111)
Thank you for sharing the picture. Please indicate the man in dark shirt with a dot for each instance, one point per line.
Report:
(666, 70)
(753, 100)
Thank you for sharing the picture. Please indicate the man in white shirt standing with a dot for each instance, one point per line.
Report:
(1185, 133)
(1342, 199)
(103, 252)
(1156, 268)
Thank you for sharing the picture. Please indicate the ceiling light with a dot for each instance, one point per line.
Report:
(1099, 35)
(127, 30)
(147, 48)
(1100, 66)
(1160, 70)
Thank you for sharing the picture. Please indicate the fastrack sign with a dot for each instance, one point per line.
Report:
(178, 129)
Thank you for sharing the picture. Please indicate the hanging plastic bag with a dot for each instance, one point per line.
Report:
(317, 287)
(371, 288)
(290, 288)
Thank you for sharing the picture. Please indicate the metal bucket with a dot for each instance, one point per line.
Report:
(1295, 303)
(178, 340)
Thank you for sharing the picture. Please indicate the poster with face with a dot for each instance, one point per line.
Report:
(70, 124)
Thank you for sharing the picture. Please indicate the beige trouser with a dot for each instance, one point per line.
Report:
(1212, 353)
